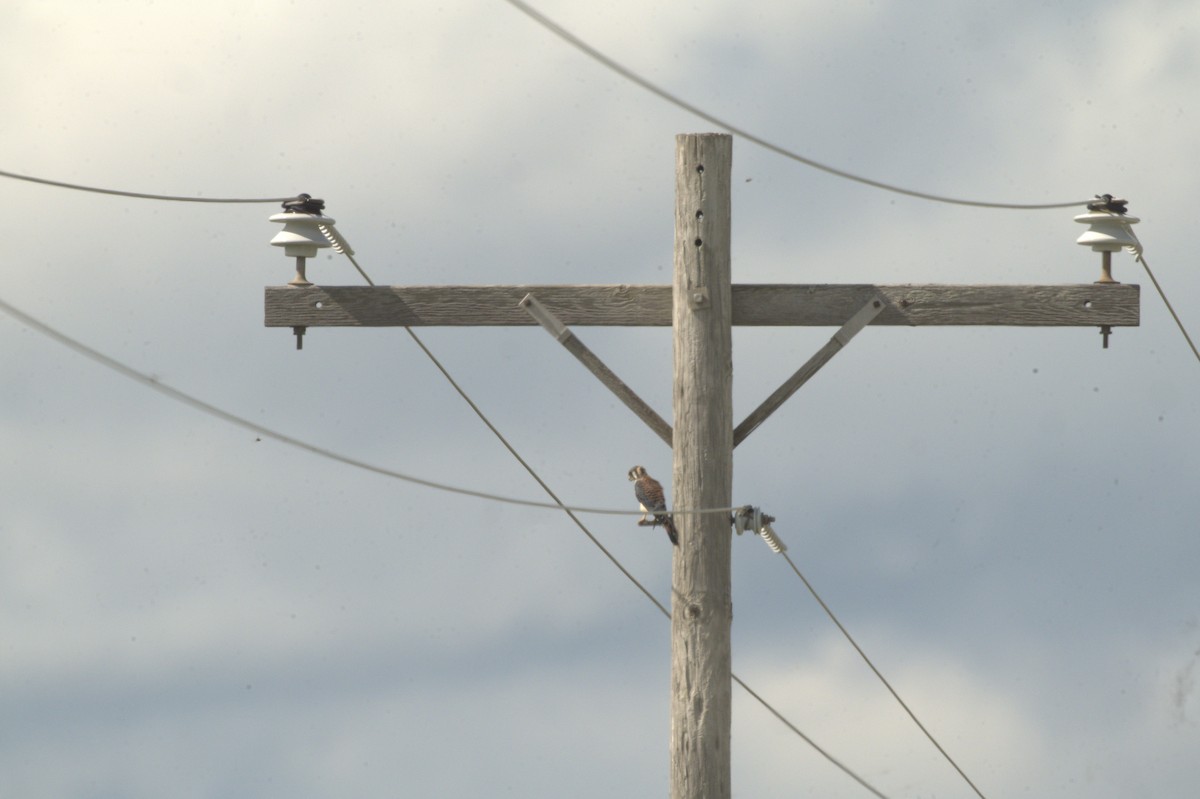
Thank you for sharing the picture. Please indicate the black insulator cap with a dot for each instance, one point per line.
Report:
(304, 204)
(1106, 202)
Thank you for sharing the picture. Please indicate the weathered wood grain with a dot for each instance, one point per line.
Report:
(940, 304)
(701, 604)
(1069, 305)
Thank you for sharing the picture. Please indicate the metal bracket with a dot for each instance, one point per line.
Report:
(752, 519)
(563, 335)
(840, 339)
(542, 315)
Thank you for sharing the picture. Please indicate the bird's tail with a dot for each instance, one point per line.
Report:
(672, 533)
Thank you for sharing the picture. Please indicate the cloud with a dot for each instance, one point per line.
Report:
(1002, 517)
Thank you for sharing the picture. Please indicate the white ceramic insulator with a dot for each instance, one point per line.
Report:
(772, 538)
(301, 236)
(1107, 232)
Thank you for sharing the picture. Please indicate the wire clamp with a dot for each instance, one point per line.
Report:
(751, 519)
(746, 518)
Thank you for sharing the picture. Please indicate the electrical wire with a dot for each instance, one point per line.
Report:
(512, 451)
(212, 410)
(678, 102)
(140, 195)
(261, 430)
(808, 740)
(1141, 259)
(612, 558)
(525, 465)
(483, 418)
(829, 612)
(571, 512)
(808, 585)
(1140, 256)
(661, 608)
(637, 79)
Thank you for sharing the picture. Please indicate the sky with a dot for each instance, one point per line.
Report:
(1004, 518)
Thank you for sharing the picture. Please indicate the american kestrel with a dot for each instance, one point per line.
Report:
(649, 493)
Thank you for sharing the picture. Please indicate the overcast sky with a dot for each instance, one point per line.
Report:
(1005, 518)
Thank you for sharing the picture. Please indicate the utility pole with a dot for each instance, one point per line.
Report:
(701, 601)
(701, 305)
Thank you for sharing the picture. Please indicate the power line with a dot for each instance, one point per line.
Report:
(212, 410)
(512, 450)
(678, 102)
(829, 612)
(661, 608)
(525, 464)
(808, 740)
(219, 413)
(612, 558)
(140, 195)
(1117, 212)
(1141, 259)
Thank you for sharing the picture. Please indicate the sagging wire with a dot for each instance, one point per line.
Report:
(140, 195)
(751, 514)
(678, 102)
(1139, 255)
(260, 430)
(753, 519)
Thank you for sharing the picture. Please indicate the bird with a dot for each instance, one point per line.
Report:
(1107, 202)
(649, 493)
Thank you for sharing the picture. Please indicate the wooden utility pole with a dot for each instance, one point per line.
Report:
(702, 305)
(701, 602)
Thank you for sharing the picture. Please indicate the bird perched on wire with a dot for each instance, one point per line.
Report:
(649, 493)
(1107, 202)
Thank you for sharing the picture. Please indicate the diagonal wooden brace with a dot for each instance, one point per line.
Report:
(840, 339)
(564, 336)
